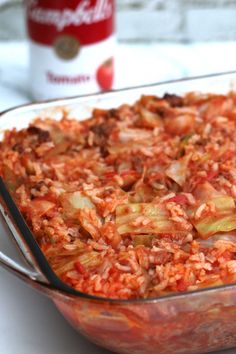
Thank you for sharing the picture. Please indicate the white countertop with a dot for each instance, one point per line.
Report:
(29, 322)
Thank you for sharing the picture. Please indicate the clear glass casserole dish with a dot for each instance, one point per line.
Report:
(190, 322)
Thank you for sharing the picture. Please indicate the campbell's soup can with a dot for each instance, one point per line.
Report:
(72, 44)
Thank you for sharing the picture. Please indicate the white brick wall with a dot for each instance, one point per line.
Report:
(150, 20)
(223, 24)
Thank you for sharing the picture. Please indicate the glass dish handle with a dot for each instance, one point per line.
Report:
(24, 267)
(21, 271)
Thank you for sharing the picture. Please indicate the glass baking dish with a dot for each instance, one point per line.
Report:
(190, 322)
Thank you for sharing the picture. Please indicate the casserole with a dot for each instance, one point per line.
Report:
(180, 323)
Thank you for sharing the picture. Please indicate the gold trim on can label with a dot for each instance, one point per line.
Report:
(66, 47)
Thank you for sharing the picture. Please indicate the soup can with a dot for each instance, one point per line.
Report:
(71, 47)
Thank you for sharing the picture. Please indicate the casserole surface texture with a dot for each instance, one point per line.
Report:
(135, 202)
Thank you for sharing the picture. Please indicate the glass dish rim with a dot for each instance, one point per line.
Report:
(111, 93)
(77, 294)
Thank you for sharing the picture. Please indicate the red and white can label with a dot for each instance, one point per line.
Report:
(71, 46)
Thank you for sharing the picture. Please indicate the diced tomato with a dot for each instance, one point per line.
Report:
(227, 255)
(228, 155)
(211, 175)
(80, 268)
(109, 175)
(129, 173)
(182, 285)
(179, 199)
